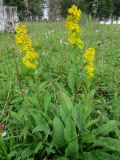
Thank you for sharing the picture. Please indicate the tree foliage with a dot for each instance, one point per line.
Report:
(116, 4)
(19, 3)
(97, 8)
(54, 9)
(34, 7)
(105, 8)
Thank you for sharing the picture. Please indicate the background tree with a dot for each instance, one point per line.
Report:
(64, 5)
(20, 6)
(105, 9)
(97, 8)
(84, 5)
(54, 9)
(36, 8)
(116, 4)
(25, 7)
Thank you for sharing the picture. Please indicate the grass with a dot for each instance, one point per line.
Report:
(50, 41)
(48, 36)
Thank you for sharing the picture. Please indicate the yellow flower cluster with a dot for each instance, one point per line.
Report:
(30, 59)
(72, 26)
(89, 57)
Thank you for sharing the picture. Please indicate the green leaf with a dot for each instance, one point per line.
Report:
(78, 118)
(50, 149)
(42, 86)
(58, 130)
(106, 156)
(71, 80)
(26, 153)
(17, 99)
(91, 123)
(3, 151)
(72, 150)
(87, 103)
(69, 130)
(18, 158)
(90, 156)
(33, 99)
(109, 143)
(61, 158)
(39, 128)
(41, 124)
(47, 101)
(18, 117)
(88, 138)
(64, 98)
(38, 147)
(110, 126)
(64, 113)
(99, 155)
(12, 154)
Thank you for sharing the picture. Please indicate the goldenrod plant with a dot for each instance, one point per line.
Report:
(89, 58)
(74, 38)
(73, 28)
(30, 57)
(71, 95)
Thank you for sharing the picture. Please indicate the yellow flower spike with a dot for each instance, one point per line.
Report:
(28, 64)
(26, 46)
(20, 28)
(30, 59)
(89, 58)
(89, 55)
(75, 12)
(72, 26)
(90, 70)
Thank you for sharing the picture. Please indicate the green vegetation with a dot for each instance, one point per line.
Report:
(97, 8)
(27, 7)
(55, 112)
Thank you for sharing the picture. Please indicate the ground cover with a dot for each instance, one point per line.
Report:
(56, 112)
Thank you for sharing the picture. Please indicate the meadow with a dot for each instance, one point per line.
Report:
(55, 112)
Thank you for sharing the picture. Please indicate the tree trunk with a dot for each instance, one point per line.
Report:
(54, 9)
(26, 9)
(1, 3)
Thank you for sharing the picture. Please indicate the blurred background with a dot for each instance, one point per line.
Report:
(35, 10)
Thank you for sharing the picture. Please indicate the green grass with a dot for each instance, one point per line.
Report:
(58, 65)
(47, 37)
